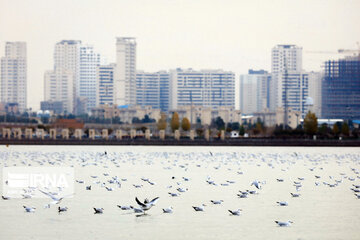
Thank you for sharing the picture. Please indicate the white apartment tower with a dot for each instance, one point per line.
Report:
(71, 57)
(14, 75)
(59, 87)
(289, 84)
(105, 91)
(315, 79)
(254, 91)
(152, 89)
(87, 85)
(207, 88)
(125, 73)
(289, 56)
(67, 62)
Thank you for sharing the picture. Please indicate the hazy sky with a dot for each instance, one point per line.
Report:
(230, 34)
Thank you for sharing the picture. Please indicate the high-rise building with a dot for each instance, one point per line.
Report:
(254, 91)
(87, 85)
(14, 75)
(287, 57)
(341, 89)
(105, 79)
(152, 89)
(293, 91)
(79, 60)
(125, 73)
(314, 100)
(59, 85)
(289, 84)
(208, 88)
(66, 63)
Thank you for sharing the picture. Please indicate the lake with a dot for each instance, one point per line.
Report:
(326, 209)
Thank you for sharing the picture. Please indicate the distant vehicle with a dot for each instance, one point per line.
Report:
(246, 135)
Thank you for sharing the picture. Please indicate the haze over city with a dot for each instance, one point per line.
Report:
(231, 35)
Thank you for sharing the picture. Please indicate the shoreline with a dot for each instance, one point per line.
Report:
(188, 142)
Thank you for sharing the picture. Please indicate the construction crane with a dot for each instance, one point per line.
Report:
(353, 51)
(340, 51)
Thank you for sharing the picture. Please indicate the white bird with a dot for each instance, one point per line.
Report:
(56, 200)
(137, 210)
(5, 198)
(182, 189)
(200, 208)
(256, 183)
(146, 205)
(216, 201)
(98, 210)
(282, 203)
(25, 196)
(243, 195)
(29, 209)
(168, 210)
(295, 194)
(125, 207)
(284, 224)
(235, 212)
(62, 209)
(174, 194)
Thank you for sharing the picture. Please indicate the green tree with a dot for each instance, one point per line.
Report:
(185, 124)
(175, 122)
(323, 129)
(345, 129)
(162, 122)
(310, 123)
(242, 130)
(218, 123)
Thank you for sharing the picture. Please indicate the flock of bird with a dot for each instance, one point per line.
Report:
(231, 162)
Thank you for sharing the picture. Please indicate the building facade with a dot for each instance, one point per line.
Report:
(59, 86)
(66, 60)
(125, 73)
(55, 107)
(207, 88)
(126, 115)
(105, 81)
(152, 89)
(87, 85)
(293, 91)
(204, 115)
(289, 86)
(287, 57)
(13, 86)
(341, 89)
(254, 91)
(314, 105)
(81, 61)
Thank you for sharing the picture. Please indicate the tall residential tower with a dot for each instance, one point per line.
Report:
(71, 57)
(289, 84)
(207, 88)
(14, 75)
(254, 91)
(125, 73)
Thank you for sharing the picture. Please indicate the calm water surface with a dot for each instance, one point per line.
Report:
(321, 212)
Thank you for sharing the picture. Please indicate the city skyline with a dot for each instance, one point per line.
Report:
(234, 36)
